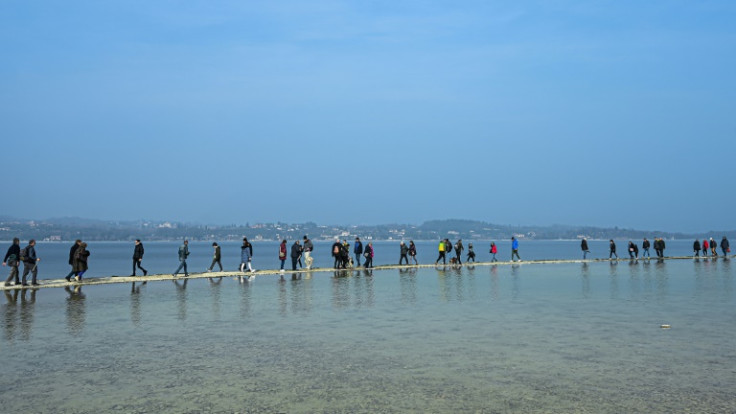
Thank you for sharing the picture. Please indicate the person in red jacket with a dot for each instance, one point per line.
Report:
(705, 247)
(282, 254)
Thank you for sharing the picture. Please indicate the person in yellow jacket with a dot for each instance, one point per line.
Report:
(442, 248)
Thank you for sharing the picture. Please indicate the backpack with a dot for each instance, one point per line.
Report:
(335, 249)
(24, 254)
(12, 260)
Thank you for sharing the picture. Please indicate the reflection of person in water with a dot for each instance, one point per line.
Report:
(11, 312)
(75, 312)
(181, 296)
(26, 313)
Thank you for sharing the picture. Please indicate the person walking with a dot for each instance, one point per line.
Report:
(471, 253)
(612, 249)
(296, 254)
(246, 255)
(216, 257)
(459, 251)
(308, 248)
(441, 249)
(413, 251)
(494, 251)
(30, 263)
(662, 246)
(696, 248)
(138, 257)
(631, 249)
(336, 248)
(515, 249)
(712, 243)
(368, 254)
(705, 247)
(404, 253)
(282, 253)
(358, 251)
(81, 257)
(12, 260)
(183, 254)
(584, 248)
(645, 245)
(725, 246)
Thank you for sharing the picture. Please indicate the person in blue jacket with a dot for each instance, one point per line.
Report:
(358, 250)
(515, 249)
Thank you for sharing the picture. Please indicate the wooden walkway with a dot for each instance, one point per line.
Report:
(60, 283)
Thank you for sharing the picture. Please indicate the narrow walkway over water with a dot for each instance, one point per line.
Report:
(59, 283)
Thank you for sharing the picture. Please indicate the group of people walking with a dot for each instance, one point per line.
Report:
(713, 245)
(301, 255)
(659, 246)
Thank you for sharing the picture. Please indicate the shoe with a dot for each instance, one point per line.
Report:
(133, 275)
(34, 284)
(24, 284)
(7, 283)
(68, 279)
(145, 273)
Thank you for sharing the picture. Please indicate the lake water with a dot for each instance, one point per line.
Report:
(495, 339)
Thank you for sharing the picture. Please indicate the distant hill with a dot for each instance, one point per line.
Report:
(70, 228)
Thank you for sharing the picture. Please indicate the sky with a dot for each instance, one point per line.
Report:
(603, 113)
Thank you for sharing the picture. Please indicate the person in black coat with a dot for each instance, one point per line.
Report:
(12, 259)
(696, 248)
(72, 250)
(138, 257)
(725, 247)
(584, 248)
(612, 248)
(296, 254)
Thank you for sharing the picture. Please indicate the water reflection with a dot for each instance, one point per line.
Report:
(494, 282)
(135, 303)
(455, 283)
(181, 298)
(75, 310)
(19, 313)
(214, 283)
(408, 285)
(585, 277)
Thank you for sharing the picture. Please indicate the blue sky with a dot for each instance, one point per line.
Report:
(608, 113)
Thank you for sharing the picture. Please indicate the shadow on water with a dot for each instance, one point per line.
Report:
(75, 310)
(19, 313)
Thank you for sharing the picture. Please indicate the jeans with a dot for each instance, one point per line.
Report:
(29, 268)
(515, 252)
(646, 253)
(212, 266)
(282, 263)
(457, 256)
(294, 261)
(613, 253)
(357, 259)
(585, 254)
(368, 262)
(138, 262)
(182, 264)
(493, 259)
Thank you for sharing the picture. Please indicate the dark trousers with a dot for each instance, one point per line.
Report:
(338, 262)
(282, 263)
(182, 264)
(215, 261)
(137, 262)
(368, 262)
(457, 256)
(403, 257)
(357, 259)
(441, 256)
(29, 268)
(294, 261)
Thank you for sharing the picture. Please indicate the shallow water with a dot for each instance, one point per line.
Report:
(524, 338)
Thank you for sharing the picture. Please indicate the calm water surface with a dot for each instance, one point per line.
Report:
(526, 338)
